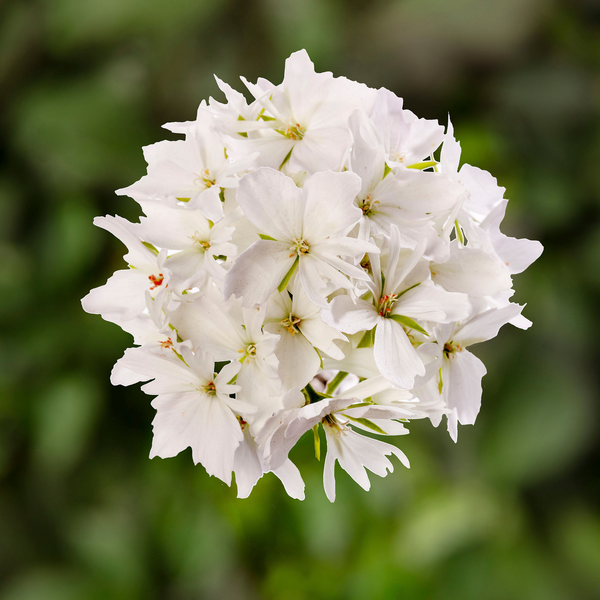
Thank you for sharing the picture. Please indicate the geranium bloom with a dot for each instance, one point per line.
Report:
(316, 258)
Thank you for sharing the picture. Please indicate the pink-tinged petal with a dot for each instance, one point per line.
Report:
(395, 356)
(462, 373)
(258, 271)
(486, 325)
(272, 203)
(330, 204)
(351, 317)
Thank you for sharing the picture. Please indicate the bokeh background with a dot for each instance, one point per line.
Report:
(510, 512)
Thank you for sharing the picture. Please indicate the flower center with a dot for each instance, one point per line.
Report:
(367, 205)
(385, 304)
(450, 348)
(333, 425)
(291, 324)
(203, 244)
(300, 247)
(249, 352)
(156, 280)
(166, 344)
(209, 388)
(397, 157)
(204, 179)
(295, 132)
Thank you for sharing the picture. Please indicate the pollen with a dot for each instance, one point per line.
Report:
(204, 179)
(300, 247)
(367, 205)
(166, 344)
(295, 132)
(291, 324)
(385, 304)
(156, 280)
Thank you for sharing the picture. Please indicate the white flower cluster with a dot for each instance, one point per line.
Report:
(305, 261)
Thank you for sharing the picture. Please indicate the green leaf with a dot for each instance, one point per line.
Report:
(150, 247)
(368, 339)
(335, 382)
(366, 423)
(423, 165)
(263, 236)
(317, 439)
(287, 156)
(408, 322)
(286, 280)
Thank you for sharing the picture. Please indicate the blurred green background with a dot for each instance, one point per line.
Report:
(510, 512)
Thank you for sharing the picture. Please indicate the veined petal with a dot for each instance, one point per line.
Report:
(329, 204)
(351, 317)
(273, 203)
(258, 271)
(395, 356)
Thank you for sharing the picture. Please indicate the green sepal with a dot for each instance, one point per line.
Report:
(183, 199)
(264, 236)
(423, 165)
(317, 440)
(266, 118)
(232, 380)
(333, 384)
(366, 402)
(408, 290)
(459, 233)
(242, 133)
(408, 322)
(222, 195)
(287, 156)
(366, 423)
(319, 355)
(368, 339)
(179, 340)
(286, 280)
(440, 383)
(151, 247)
(221, 257)
(386, 171)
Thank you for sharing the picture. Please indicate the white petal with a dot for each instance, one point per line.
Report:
(258, 271)
(395, 356)
(462, 373)
(272, 203)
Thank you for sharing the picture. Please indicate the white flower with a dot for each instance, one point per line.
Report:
(193, 171)
(304, 121)
(354, 452)
(195, 408)
(396, 305)
(306, 228)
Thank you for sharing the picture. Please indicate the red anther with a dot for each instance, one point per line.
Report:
(168, 343)
(156, 280)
